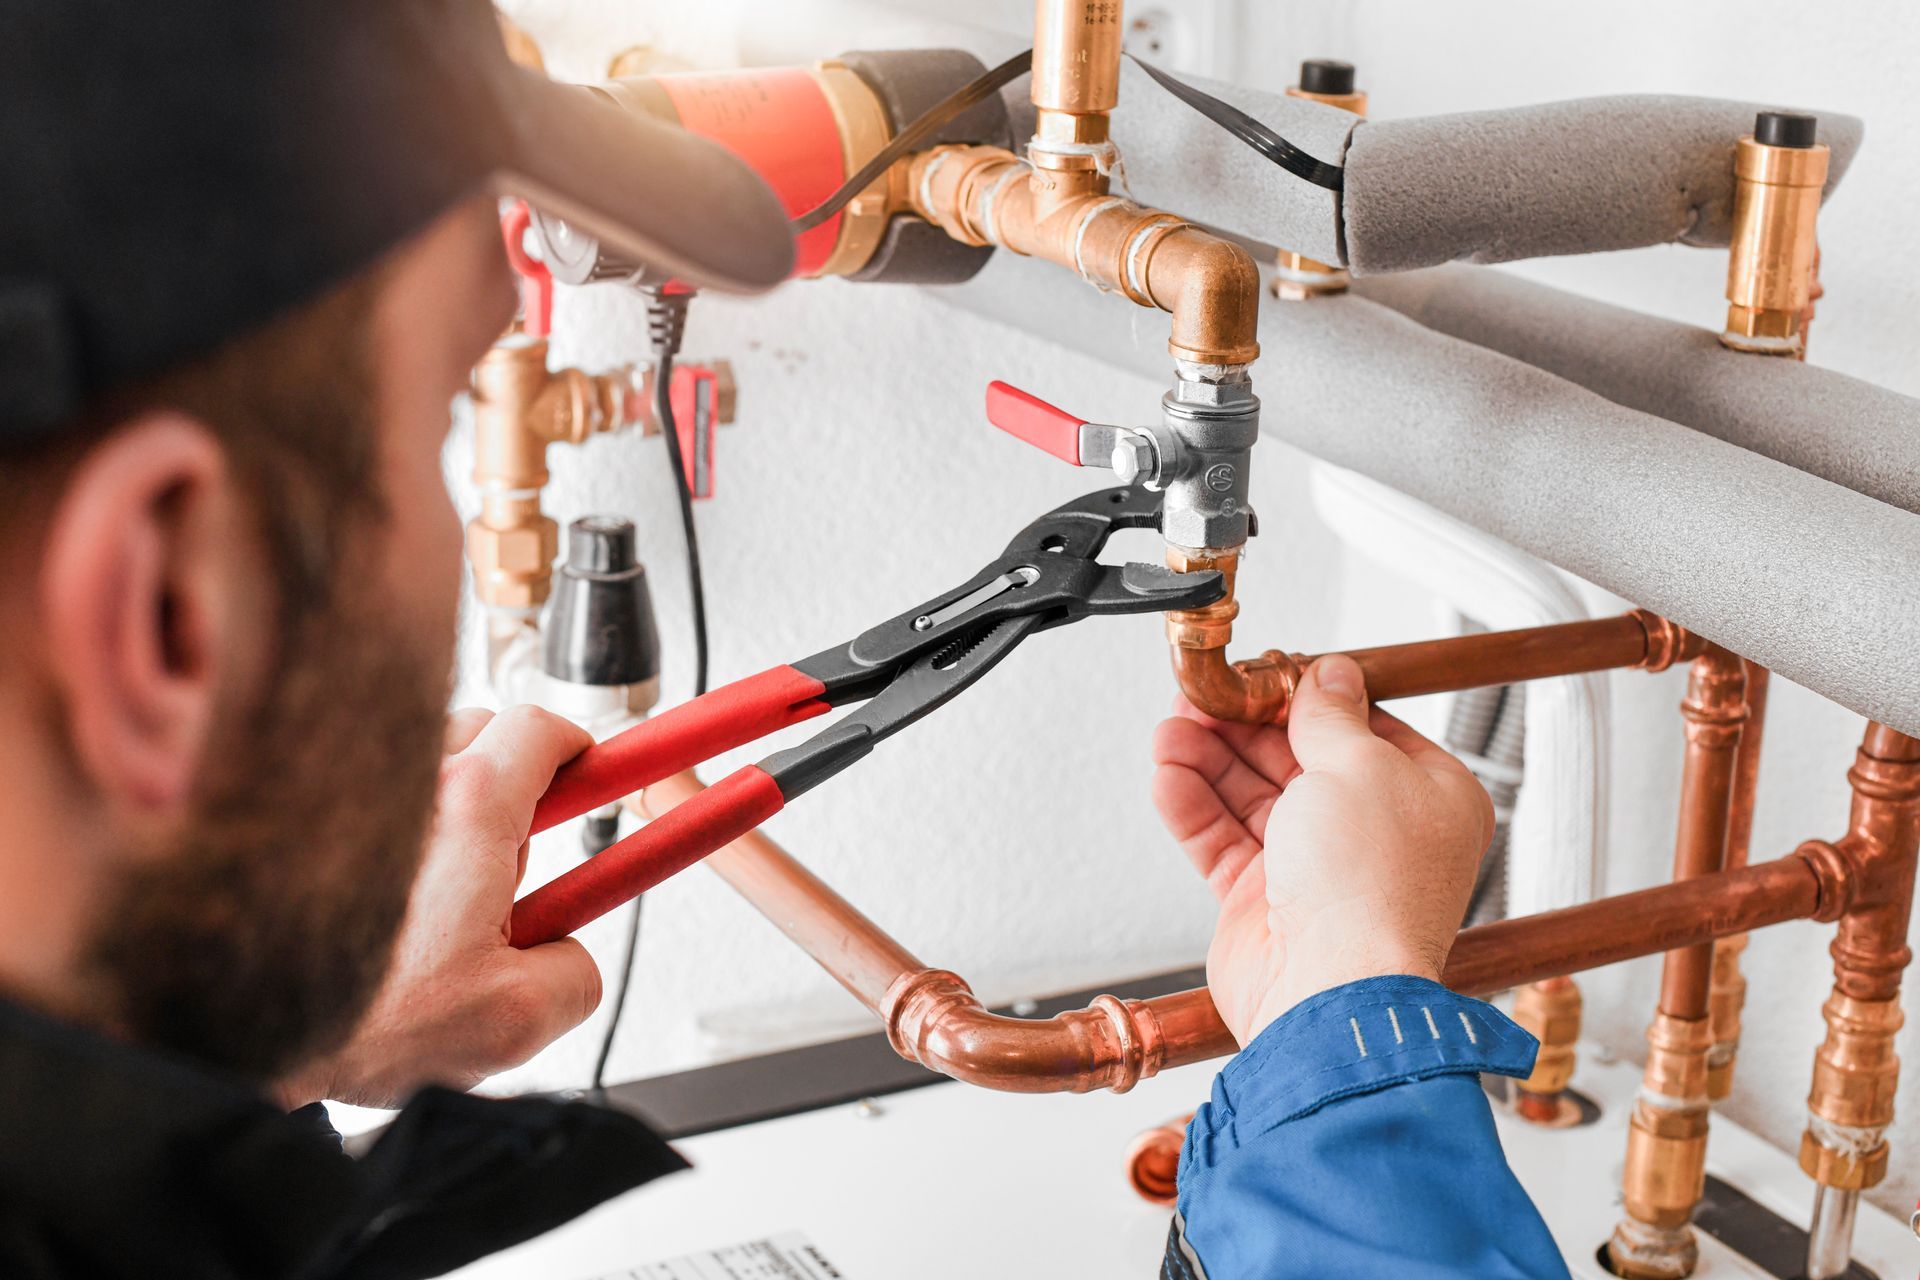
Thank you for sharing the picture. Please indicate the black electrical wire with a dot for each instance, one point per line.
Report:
(666, 324)
(966, 97)
(1250, 131)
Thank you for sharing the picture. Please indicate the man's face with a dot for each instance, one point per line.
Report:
(256, 940)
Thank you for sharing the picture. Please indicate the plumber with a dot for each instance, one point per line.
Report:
(248, 254)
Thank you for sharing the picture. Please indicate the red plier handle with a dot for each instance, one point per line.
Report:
(729, 716)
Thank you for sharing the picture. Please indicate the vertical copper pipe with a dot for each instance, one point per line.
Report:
(1715, 713)
(1728, 994)
(1856, 1070)
(1667, 1136)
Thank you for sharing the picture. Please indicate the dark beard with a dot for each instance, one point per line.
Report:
(258, 941)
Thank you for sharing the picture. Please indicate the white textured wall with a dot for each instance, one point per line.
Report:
(1010, 837)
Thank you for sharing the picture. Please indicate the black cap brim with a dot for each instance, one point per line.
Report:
(656, 192)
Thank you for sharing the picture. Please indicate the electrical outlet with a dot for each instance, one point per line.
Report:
(1189, 36)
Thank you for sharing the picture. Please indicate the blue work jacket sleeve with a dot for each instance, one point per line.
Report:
(1352, 1139)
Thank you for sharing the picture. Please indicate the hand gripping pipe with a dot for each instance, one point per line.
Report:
(932, 1016)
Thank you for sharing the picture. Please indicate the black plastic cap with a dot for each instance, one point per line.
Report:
(1786, 129)
(601, 544)
(600, 628)
(1326, 75)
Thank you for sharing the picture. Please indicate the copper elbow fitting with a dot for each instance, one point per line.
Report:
(1153, 1161)
(1252, 691)
(1778, 175)
(934, 1018)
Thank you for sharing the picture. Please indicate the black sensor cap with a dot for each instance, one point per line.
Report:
(1326, 75)
(600, 627)
(1786, 129)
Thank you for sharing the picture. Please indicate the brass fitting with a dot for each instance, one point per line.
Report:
(864, 130)
(1550, 1011)
(1297, 277)
(519, 408)
(1779, 171)
(1666, 1154)
(1855, 1075)
(1075, 87)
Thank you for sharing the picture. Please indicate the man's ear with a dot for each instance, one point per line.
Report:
(143, 563)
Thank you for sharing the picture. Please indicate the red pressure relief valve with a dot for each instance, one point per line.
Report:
(1138, 455)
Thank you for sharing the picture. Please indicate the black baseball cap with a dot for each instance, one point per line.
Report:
(174, 174)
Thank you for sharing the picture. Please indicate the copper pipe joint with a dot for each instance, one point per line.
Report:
(1550, 1011)
(1153, 1161)
(1776, 201)
(1855, 1075)
(983, 195)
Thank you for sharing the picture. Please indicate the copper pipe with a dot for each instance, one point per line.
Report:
(984, 195)
(1727, 993)
(932, 1016)
(1667, 1135)
(1260, 689)
(1806, 884)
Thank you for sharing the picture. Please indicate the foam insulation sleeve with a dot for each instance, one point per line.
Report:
(1809, 578)
(1839, 428)
(1563, 177)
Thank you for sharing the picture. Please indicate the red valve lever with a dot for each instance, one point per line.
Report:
(1034, 420)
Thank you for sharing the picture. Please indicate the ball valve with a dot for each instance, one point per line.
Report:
(1197, 455)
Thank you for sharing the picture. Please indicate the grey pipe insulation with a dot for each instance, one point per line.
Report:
(1837, 427)
(1801, 574)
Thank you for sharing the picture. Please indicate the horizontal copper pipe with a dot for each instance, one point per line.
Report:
(1493, 957)
(1261, 689)
(932, 1016)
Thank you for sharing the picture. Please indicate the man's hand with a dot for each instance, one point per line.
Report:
(1342, 848)
(460, 1004)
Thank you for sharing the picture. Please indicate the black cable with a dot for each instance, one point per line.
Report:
(666, 324)
(962, 99)
(1250, 131)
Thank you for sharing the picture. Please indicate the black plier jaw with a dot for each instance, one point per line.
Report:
(904, 669)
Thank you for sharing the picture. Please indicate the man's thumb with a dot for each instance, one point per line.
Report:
(1329, 712)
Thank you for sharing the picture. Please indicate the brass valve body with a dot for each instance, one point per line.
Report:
(1076, 84)
(1776, 201)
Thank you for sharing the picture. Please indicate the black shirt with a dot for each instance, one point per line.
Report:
(120, 1162)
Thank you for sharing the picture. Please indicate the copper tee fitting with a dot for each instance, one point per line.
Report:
(984, 195)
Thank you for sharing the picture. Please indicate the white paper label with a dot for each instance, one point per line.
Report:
(785, 1257)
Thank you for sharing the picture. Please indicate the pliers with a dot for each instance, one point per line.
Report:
(903, 669)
